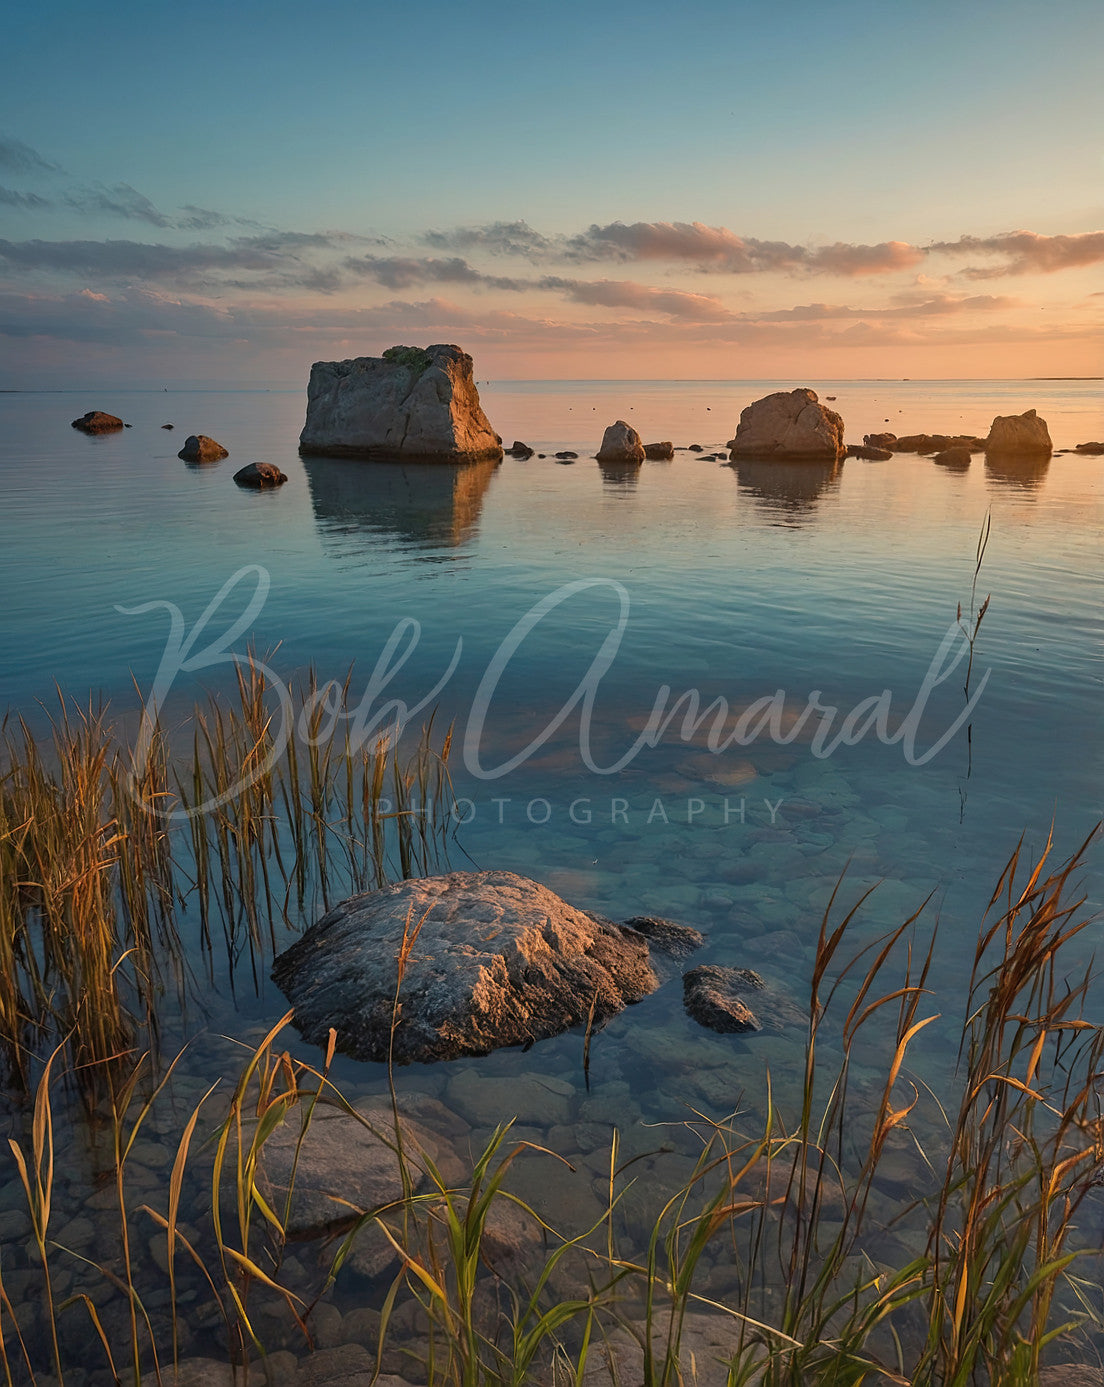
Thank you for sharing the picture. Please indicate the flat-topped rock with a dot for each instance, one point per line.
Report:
(495, 959)
(1019, 433)
(96, 421)
(621, 443)
(789, 424)
(659, 452)
(409, 403)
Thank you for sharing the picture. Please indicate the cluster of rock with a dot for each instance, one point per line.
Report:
(434, 968)
(408, 403)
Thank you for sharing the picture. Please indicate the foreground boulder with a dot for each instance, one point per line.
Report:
(496, 959)
(199, 448)
(260, 475)
(408, 403)
(96, 421)
(1019, 433)
(621, 443)
(789, 424)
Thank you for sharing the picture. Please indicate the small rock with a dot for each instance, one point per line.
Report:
(96, 421)
(711, 996)
(953, 457)
(659, 452)
(871, 454)
(259, 475)
(695, 448)
(520, 450)
(1093, 449)
(880, 440)
(199, 448)
(567, 456)
(679, 941)
(621, 443)
(168, 426)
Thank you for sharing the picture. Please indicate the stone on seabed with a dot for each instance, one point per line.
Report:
(409, 403)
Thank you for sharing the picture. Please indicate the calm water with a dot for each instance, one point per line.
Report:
(736, 581)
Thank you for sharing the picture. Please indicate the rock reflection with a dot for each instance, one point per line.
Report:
(426, 505)
(622, 476)
(789, 491)
(1016, 471)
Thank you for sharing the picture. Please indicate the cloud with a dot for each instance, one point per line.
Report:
(497, 238)
(17, 157)
(1026, 252)
(30, 202)
(620, 293)
(401, 272)
(121, 200)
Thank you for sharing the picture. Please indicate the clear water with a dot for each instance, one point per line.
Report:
(732, 580)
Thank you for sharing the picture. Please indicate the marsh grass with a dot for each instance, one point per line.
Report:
(106, 845)
(788, 1205)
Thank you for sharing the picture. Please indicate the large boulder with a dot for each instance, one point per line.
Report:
(96, 421)
(789, 424)
(1019, 433)
(492, 959)
(408, 403)
(621, 443)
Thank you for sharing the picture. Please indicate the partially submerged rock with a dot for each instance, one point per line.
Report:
(520, 450)
(199, 448)
(789, 424)
(954, 457)
(714, 997)
(1019, 433)
(494, 959)
(260, 475)
(408, 403)
(621, 443)
(666, 936)
(96, 421)
(880, 440)
(659, 452)
(1092, 449)
(938, 442)
(868, 452)
(738, 1001)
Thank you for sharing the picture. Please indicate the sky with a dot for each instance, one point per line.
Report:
(197, 194)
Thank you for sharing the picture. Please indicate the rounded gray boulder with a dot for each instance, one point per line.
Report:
(492, 959)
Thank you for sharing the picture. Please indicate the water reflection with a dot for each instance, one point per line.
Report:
(1016, 471)
(790, 491)
(427, 505)
(622, 476)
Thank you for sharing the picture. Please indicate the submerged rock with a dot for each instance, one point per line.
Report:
(96, 421)
(665, 936)
(1019, 433)
(714, 997)
(260, 475)
(659, 452)
(869, 452)
(408, 403)
(494, 959)
(789, 424)
(199, 448)
(621, 443)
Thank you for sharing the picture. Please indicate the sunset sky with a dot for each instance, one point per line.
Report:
(195, 194)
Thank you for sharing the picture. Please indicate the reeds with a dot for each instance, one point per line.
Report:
(789, 1205)
(106, 847)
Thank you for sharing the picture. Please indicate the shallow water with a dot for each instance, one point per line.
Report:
(735, 581)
